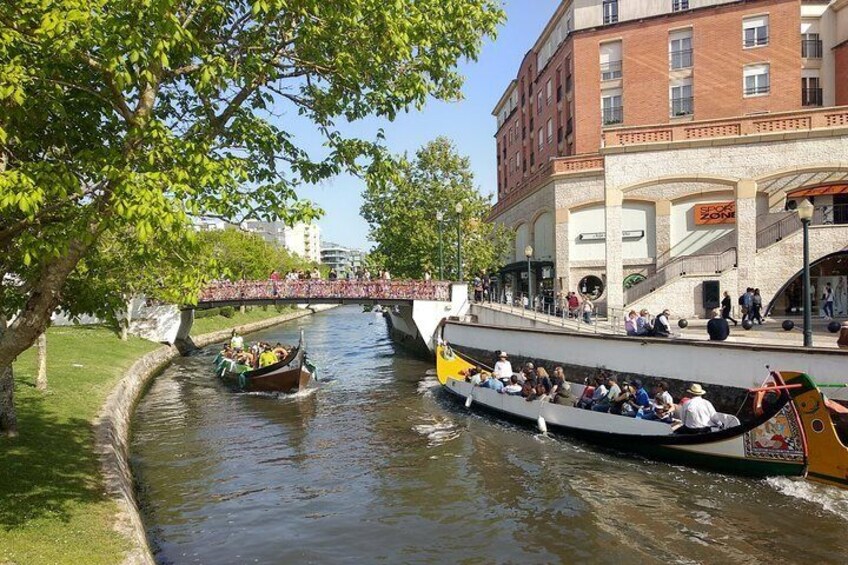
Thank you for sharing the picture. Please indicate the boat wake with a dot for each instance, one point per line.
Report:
(305, 393)
(830, 499)
(438, 432)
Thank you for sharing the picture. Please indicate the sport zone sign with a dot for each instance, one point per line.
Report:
(715, 213)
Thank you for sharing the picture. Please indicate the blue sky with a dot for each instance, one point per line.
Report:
(469, 123)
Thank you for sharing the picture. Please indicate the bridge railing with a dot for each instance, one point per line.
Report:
(225, 291)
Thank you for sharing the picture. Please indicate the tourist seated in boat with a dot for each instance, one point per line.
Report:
(662, 406)
(561, 389)
(621, 403)
(503, 368)
(513, 388)
(539, 393)
(528, 373)
(697, 414)
(599, 390)
(487, 381)
(527, 389)
(280, 351)
(630, 322)
(267, 357)
(606, 402)
(544, 378)
(236, 341)
(471, 376)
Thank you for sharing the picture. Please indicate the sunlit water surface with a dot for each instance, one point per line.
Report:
(379, 465)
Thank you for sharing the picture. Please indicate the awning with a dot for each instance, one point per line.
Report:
(820, 190)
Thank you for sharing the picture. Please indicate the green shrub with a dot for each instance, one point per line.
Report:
(210, 313)
(264, 307)
(279, 308)
(228, 311)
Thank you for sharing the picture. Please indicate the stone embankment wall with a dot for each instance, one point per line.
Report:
(112, 431)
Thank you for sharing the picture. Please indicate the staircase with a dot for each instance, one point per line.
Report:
(701, 264)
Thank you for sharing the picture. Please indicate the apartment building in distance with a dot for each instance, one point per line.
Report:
(651, 152)
(303, 239)
(344, 260)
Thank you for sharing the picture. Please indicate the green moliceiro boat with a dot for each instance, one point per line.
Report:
(772, 443)
(289, 375)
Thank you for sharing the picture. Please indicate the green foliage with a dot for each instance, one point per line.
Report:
(208, 313)
(237, 255)
(121, 121)
(228, 311)
(402, 214)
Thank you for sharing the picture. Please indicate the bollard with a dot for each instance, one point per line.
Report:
(843, 336)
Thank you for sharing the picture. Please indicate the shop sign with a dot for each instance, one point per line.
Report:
(715, 213)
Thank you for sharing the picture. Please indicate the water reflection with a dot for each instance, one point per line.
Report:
(379, 465)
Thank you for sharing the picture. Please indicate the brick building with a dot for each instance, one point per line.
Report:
(628, 123)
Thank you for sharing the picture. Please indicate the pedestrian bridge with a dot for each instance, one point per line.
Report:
(378, 292)
(417, 307)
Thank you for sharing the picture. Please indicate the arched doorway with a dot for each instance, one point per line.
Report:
(831, 269)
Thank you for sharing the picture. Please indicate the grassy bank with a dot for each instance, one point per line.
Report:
(52, 505)
(216, 322)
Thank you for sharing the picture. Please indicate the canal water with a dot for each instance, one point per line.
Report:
(378, 465)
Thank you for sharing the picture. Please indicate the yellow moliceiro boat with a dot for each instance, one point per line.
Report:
(794, 435)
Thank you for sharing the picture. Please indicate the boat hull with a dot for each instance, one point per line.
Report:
(725, 456)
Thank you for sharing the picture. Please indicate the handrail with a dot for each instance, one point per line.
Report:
(553, 314)
(679, 266)
(822, 215)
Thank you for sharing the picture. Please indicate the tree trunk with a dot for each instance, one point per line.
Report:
(8, 418)
(41, 377)
(125, 326)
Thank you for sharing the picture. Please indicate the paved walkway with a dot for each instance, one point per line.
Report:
(770, 333)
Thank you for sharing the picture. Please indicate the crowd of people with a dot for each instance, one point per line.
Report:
(258, 355)
(694, 414)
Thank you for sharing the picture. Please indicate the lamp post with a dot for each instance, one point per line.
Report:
(459, 241)
(439, 217)
(805, 213)
(528, 252)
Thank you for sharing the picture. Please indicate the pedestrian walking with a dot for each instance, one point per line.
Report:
(725, 308)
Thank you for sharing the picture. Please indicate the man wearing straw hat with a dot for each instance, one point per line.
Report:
(697, 414)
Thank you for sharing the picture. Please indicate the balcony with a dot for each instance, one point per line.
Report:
(753, 125)
(611, 70)
(811, 96)
(811, 48)
(680, 59)
(612, 115)
(682, 106)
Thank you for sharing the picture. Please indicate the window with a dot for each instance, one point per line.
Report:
(681, 99)
(811, 46)
(549, 90)
(678, 5)
(611, 109)
(680, 49)
(550, 130)
(532, 159)
(756, 80)
(517, 160)
(559, 93)
(559, 134)
(610, 8)
(755, 31)
(541, 137)
(811, 91)
(610, 60)
(539, 103)
(569, 126)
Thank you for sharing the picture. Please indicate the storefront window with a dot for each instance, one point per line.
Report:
(832, 271)
(591, 287)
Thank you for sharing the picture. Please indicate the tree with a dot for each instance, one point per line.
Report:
(240, 255)
(126, 118)
(402, 214)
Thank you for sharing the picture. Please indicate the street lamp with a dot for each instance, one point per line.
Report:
(439, 217)
(459, 240)
(528, 252)
(805, 213)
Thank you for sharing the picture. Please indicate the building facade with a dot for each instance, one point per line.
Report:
(300, 239)
(648, 146)
(343, 260)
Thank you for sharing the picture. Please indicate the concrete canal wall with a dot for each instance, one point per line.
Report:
(730, 366)
(113, 427)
